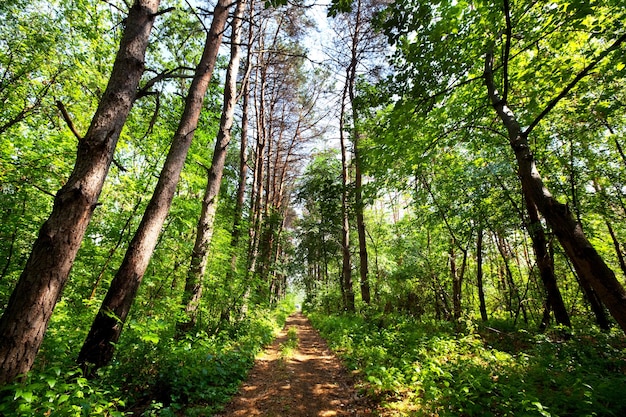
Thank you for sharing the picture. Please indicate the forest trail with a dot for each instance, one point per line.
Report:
(307, 382)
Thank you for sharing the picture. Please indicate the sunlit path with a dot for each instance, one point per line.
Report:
(310, 381)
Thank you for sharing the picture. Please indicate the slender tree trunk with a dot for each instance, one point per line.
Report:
(479, 275)
(13, 239)
(586, 260)
(106, 329)
(617, 246)
(243, 174)
(457, 279)
(456, 283)
(346, 269)
(360, 223)
(358, 177)
(259, 165)
(199, 256)
(591, 298)
(26, 317)
(507, 278)
(616, 243)
(243, 156)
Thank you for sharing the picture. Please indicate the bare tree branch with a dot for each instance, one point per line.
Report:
(68, 119)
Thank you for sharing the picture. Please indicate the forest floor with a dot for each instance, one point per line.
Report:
(298, 380)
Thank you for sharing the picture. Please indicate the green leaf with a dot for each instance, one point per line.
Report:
(150, 337)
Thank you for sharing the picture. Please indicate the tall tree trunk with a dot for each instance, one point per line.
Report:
(243, 174)
(586, 260)
(256, 197)
(26, 317)
(199, 256)
(346, 269)
(545, 264)
(479, 275)
(243, 154)
(360, 225)
(106, 329)
(358, 177)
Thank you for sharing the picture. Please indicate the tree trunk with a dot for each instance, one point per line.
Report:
(106, 329)
(588, 263)
(26, 317)
(346, 269)
(508, 282)
(199, 256)
(243, 173)
(358, 177)
(479, 275)
(360, 222)
(545, 265)
(243, 157)
(456, 283)
(617, 246)
(256, 197)
(457, 279)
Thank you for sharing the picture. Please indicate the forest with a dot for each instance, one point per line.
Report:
(436, 185)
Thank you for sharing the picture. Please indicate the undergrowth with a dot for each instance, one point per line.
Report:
(431, 368)
(152, 374)
(288, 348)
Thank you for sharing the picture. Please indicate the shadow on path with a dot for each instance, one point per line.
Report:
(311, 382)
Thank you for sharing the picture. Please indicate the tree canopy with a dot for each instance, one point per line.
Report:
(451, 166)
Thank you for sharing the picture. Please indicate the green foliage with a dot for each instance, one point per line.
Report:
(61, 393)
(426, 367)
(193, 376)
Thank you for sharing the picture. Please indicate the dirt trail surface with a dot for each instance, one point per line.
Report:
(307, 382)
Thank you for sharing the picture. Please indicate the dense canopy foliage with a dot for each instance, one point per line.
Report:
(443, 176)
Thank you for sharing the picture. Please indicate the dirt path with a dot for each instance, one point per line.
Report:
(307, 382)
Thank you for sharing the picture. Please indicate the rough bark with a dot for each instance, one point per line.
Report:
(26, 317)
(106, 329)
(586, 261)
(205, 228)
(546, 265)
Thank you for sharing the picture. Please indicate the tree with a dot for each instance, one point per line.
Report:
(204, 233)
(25, 319)
(106, 329)
(284, 94)
(434, 71)
(358, 46)
(588, 263)
(319, 231)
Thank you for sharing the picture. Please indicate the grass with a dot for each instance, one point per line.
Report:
(288, 348)
(430, 368)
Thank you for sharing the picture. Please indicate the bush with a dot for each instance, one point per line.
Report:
(426, 367)
(152, 374)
